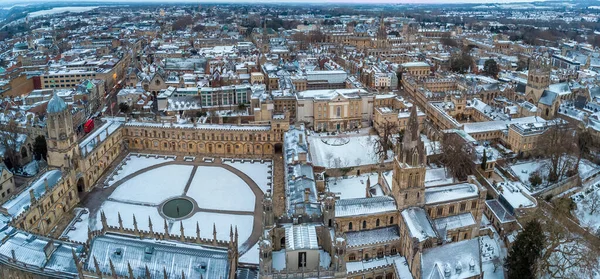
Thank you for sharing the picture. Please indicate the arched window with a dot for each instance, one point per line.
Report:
(393, 251)
(350, 226)
(352, 257)
(364, 226)
(377, 223)
(409, 180)
(392, 220)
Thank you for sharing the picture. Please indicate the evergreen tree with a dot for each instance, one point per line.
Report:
(490, 67)
(483, 160)
(40, 149)
(525, 251)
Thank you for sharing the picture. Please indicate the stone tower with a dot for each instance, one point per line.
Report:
(266, 256)
(329, 210)
(408, 186)
(339, 258)
(268, 216)
(61, 140)
(538, 79)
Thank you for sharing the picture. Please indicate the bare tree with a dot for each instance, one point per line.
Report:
(457, 156)
(566, 255)
(384, 143)
(10, 139)
(557, 145)
(593, 202)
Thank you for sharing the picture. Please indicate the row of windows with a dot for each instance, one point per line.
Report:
(202, 136)
(364, 224)
(451, 208)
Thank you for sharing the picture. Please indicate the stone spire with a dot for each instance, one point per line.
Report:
(120, 221)
(150, 226)
(368, 187)
(77, 264)
(197, 230)
(130, 271)
(166, 228)
(148, 275)
(97, 267)
(103, 221)
(412, 149)
(135, 226)
(165, 276)
(181, 230)
(113, 272)
(214, 234)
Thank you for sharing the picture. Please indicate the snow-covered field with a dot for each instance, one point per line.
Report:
(251, 256)
(61, 10)
(212, 187)
(218, 188)
(357, 151)
(585, 201)
(524, 170)
(257, 171)
(154, 186)
(133, 163)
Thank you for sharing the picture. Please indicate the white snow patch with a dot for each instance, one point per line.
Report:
(218, 188)
(154, 186)
(257, 171)
(133, 163)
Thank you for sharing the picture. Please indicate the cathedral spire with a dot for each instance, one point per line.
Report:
(412, 129)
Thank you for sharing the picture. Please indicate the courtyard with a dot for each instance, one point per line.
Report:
(208, 193)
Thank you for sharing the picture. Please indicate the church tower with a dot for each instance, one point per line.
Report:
(538, 79)
(61, 139)
(408, 183)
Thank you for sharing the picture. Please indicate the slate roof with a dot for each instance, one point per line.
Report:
(364, 206)
(369, 237)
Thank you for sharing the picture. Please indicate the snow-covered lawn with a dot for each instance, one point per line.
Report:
(352, 151)
(218, 188)
(351, 187)
(252, 256)
(524, 170)
(257, 171)
(154, 186)
(223, 222)
(79, 229)
(585, 201)
(133, 163)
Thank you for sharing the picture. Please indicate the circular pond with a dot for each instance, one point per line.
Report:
(177, 208)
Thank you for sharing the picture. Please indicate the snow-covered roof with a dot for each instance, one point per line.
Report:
(22, 201)
(56, 104)
(450, 193)
(452, 261)
(193, 260)
(418, 224)
(200, 126)
(454, 221)
(370, 237)
(353, 267)
(301, 237)
(98, 136)
(364, 206)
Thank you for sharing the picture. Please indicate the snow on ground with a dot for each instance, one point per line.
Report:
(251, 256)
(490, 252)
(222, 222)
(524, 170)
(154, 186)
(357, 151)
(351, 187)
(79, 229)
(133, 163)
(218, 188)
(257, 171)
(584, 201)
(437, 176)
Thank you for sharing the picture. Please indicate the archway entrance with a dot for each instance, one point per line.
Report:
(80, 186)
